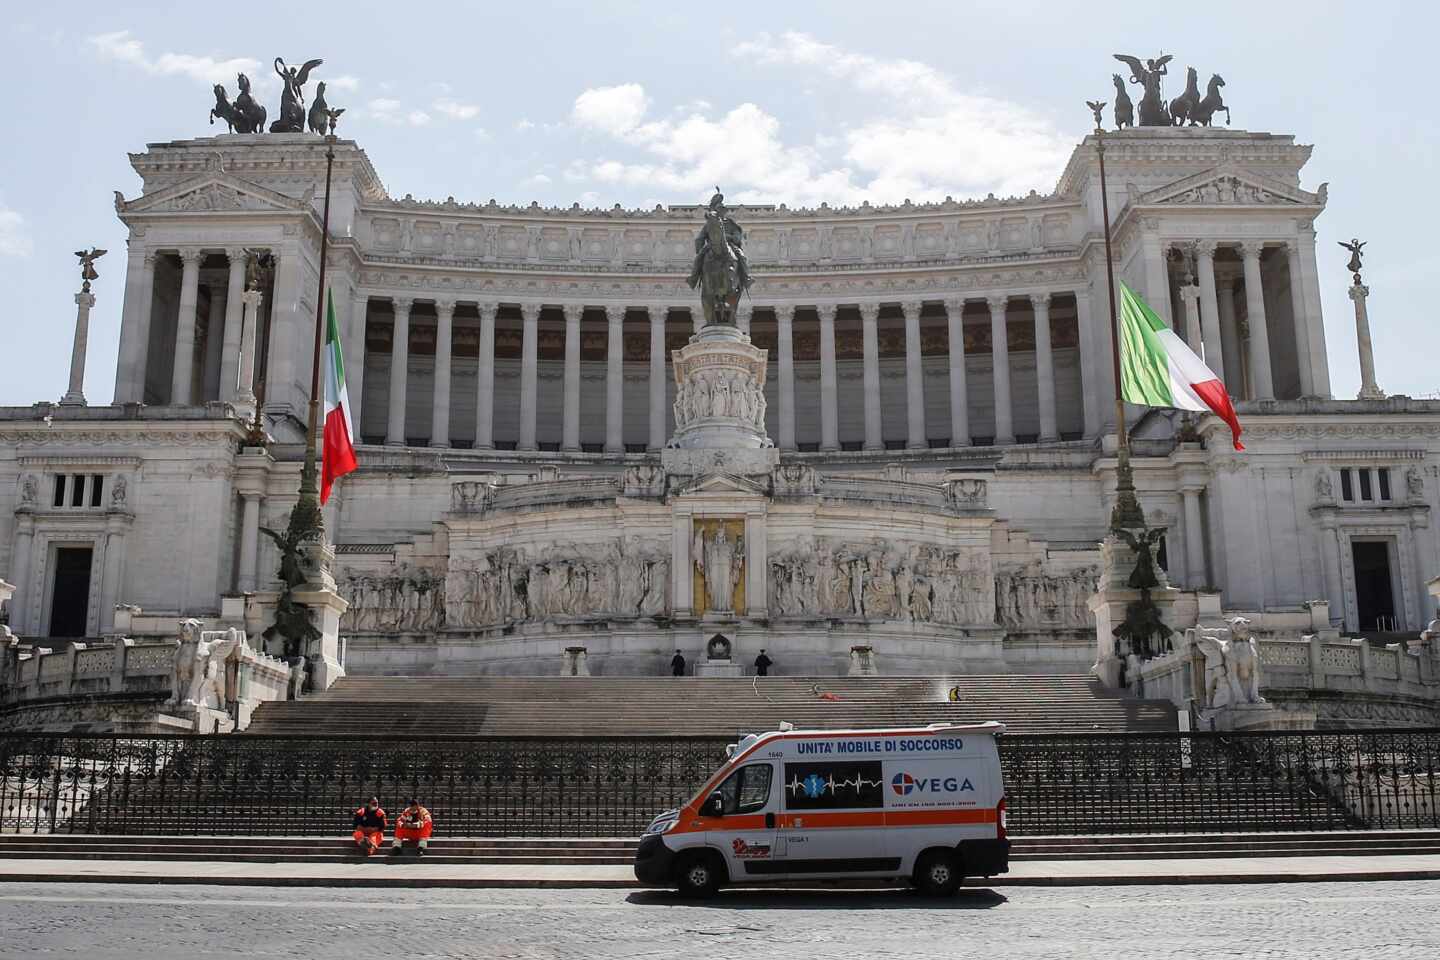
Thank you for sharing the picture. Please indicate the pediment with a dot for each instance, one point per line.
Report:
(1229, 185)
(214, 192)
(714, 483)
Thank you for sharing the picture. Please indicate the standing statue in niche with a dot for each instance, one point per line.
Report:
(721, 269)
(292, 96)
(719, 560)
(1153, 112)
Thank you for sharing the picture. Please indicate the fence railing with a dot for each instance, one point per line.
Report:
(1120, 783)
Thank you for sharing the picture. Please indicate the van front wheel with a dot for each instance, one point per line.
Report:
(937, 874)
(698, 875)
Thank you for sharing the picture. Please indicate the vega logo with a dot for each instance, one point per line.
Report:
(904, 784)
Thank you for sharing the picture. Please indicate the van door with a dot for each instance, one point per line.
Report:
(745, 831)
(833, 821)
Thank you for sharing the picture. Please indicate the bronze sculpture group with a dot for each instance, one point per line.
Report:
(721, 269)
(1188, 108)
(244, 115)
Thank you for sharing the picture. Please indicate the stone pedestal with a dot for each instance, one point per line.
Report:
(862, 661)
(574, 664)
(326, 606)
(1256, 716)
(719, 668)
(719, 407)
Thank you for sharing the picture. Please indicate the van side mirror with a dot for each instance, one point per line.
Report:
(714, 805)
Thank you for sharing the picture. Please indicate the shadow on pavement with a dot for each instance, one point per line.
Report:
(976, 898)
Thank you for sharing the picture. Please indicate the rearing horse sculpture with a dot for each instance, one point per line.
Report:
(1183, 107)
(1205, 112)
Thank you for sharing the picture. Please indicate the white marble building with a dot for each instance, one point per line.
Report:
(938, 384)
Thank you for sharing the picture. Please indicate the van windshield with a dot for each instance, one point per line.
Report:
(747, 789)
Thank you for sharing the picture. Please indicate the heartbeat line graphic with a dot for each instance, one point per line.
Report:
(816, 785)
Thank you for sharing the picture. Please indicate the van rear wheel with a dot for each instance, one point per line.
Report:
(698, 875)
(937, 873)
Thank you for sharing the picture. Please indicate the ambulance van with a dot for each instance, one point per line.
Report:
(924, 805)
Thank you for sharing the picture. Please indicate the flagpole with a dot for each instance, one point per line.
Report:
(1126, 513)
(306, 520)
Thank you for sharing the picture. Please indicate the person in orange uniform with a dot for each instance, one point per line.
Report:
(415, 825)
(369, 826)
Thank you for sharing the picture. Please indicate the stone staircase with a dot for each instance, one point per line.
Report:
(618, 851)
(688, 706)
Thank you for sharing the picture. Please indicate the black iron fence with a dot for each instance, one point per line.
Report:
(1121, 783)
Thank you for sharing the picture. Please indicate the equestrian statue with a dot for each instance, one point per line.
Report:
(1212, 103)
(1183, 107)
(1124, 107)
(721, 269)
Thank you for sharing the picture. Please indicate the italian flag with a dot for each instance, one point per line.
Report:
(1158, 370)
(337, 457)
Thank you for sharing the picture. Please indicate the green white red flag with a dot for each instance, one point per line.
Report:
(337, 456)
(1157, 369)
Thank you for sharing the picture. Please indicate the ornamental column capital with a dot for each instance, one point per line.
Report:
(572, 311)
(614, 314)
(1206, 248)
(446, 306)
(826, 312)
(190, 255)
(954, 306)
(529, 311)
(1251, 249)
(998, 302)
(909, 307)
(1041, 301)
(869, 312)
(402, 304)
(236, 256)
(784, 313)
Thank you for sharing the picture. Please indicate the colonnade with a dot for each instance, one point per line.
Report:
(999, 307)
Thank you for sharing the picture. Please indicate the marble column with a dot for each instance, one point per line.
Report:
(485, 380)
(1300, 314)
(1255, 318)
(829, 386)
(249, 320)
(116, 526)
(440, 403)
(870, 338)
(234, 326)
(249, 542)
(1209, 308)
(1230, 337)
(614, 379)
(399, 372)
(355, 357)
(214, 353)
(1369, 389)
(135, 326)
(1044, 367)
(184, 370)
(288, 329)
(570, 422)
(75, 390)
(657, 313)
(1319, 357)
(784, 324)
(1096, 385)
(529, 373)
(1194, 536)
(1000, 363)
(914, 379)
(1157, 272)
(1190, 304)
(21, 603)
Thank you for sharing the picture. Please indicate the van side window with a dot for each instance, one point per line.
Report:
(747, 790)
(834, 786)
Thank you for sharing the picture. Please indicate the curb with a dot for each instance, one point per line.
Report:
(524, 883)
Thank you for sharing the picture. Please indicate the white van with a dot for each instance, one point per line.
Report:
(925, 805)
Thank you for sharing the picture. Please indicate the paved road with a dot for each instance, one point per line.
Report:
(1308, 920)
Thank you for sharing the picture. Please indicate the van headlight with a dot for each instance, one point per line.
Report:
(662, 824)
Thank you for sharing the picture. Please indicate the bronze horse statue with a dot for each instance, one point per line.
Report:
(1183, 107)
(222, 108)
(1124, 108)
(1205, 111)
(250, 116)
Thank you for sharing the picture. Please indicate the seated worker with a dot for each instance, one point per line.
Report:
(414, 824)
(369, 826)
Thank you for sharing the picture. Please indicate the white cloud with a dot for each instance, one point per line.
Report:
(417, 118)
(612, 110)
(390, 110)
(15, 239)
(347, 83)
(925, 140)
(482, 135)
(455, 110)
(538, 180)
(121, 47)
(524, 124)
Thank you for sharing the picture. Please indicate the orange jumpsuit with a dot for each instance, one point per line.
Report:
(414, 824)
(369, 829)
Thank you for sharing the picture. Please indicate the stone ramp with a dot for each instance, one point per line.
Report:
(689, 706)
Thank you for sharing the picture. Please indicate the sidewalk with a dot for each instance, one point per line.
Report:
(408, 873)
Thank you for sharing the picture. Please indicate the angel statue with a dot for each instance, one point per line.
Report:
(1143, 577)
(87, 265)
(1153, 111)
(1355, 246)
(292, 96)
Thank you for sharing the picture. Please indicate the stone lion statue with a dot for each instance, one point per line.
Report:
(200, 665)
(1232, 664)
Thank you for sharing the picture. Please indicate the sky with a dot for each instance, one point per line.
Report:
(639, 103)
